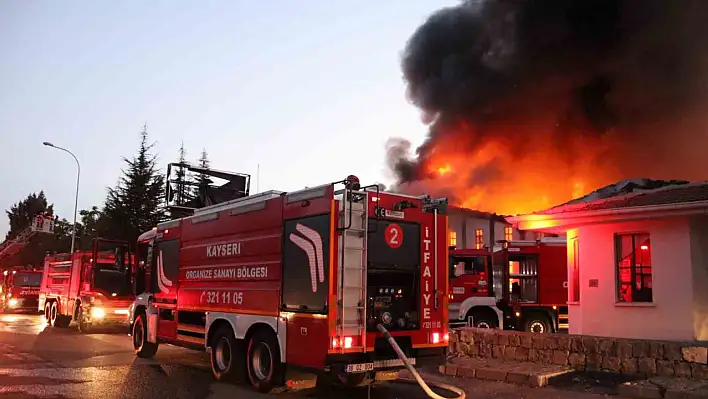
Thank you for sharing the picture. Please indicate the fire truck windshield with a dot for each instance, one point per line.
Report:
(26, 279)
(111, 272)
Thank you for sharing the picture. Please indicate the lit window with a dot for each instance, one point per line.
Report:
(574, 292)
(508, 233)
(479, 238)
(453, 238)
(633, 267)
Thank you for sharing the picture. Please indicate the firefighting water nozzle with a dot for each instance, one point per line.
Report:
(352, 183)
(461, 394)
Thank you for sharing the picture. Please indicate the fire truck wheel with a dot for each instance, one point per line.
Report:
(537, 323)
(265, 371)
(226, 358)
(142, 347)
(47, 311)
(53, 314)
(482, 319)
(84, 325)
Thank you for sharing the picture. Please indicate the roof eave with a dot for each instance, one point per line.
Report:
(561, 221)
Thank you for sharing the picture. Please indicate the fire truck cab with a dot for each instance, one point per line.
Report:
(522, 285)
(289, 286)
(19, 289)
(89, 287)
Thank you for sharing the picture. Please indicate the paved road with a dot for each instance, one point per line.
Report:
(37, 361)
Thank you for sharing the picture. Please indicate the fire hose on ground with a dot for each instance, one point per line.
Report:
(418, 379)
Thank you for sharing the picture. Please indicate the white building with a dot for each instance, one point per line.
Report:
(468, 228)
(619, 247)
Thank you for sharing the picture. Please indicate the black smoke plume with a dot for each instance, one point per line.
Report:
(628, 78)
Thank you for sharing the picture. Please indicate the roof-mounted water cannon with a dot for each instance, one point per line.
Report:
(402, 205)
(180, 203)
(352, 183)
(436, 204)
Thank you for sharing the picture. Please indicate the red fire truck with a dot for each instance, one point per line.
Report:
(89, 287)
(19, 289)
(277, 284)
(520, 286)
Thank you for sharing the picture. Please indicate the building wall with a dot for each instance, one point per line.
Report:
(464, 226)
(669, 317)
(699, 260)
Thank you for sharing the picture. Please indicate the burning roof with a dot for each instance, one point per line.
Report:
(669, 194)
(679, 199)
(533, 103)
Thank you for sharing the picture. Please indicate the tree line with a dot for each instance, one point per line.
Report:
(134, 205)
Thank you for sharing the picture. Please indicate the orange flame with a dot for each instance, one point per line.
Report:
(497, 177)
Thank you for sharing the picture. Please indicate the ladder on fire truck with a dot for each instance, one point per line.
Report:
(351, 270)
(40, 224)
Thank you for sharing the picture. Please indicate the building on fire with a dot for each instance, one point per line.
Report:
(619, 244)
(469, 228)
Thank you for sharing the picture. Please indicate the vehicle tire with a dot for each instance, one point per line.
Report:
(482, 320)
(84, 326)
(538, 323)
(53, 314)
(227, 361)
(265, 371)
(143, 348)
(47, 311)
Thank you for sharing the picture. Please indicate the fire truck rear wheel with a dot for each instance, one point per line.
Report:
(142, 347)
(265, 371)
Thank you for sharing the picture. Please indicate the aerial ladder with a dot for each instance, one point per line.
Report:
(41, 224)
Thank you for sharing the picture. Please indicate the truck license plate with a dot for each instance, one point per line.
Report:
(360, 367)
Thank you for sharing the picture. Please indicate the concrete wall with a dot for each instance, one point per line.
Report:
(633, 357)
(670, 316)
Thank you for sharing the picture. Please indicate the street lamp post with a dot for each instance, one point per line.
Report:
(76, 200)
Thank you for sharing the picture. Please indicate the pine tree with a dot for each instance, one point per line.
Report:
(23, 212)
(135, 205)
(21, 215)
(202, 181)
(183, 193)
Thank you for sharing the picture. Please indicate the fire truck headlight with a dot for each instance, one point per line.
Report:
(386, 318)
(97, 313)
(12, 302)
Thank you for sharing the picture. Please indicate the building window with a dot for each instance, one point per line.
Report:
(633, 265)
(574, 292)
(508, 233)
(453, 239)
(479, 238)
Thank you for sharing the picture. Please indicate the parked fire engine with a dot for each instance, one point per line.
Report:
(89, 287)
(520, 286)
(278, 284)
(19, 288)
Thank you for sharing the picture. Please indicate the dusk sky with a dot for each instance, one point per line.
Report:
(311, 90)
